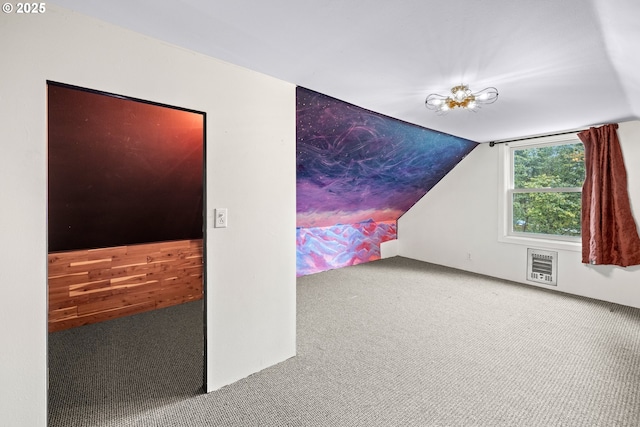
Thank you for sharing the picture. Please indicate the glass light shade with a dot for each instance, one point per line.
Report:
(461, 97)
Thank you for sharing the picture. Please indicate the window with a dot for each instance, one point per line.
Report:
(543, 184)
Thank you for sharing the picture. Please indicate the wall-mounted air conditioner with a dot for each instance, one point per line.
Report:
(542, 266)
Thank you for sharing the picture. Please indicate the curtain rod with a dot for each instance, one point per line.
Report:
(492, 143)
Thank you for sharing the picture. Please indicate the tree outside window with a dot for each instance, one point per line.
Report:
(546, 189)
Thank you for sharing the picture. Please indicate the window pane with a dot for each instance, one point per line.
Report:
(551, 166)
(547, 213)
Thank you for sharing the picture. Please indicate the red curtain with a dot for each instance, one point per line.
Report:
(609, 234)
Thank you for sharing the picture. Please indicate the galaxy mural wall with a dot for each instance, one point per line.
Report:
(357, 173)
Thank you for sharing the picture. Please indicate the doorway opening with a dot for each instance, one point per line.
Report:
(126, 268)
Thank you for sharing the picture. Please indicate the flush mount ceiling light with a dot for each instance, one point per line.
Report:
(461, 97)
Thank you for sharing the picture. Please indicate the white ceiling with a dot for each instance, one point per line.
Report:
(558, 64)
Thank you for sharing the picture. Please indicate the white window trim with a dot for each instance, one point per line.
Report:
(505, 192)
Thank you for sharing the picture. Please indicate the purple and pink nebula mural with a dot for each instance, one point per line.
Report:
(357, 173)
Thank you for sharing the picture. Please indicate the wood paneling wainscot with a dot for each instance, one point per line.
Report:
(90, 286)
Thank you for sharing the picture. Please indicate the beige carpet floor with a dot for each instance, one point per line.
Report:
(395, 342)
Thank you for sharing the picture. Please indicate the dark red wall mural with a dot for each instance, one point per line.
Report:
(121, 171)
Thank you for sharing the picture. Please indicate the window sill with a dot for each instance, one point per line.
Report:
(575, 246)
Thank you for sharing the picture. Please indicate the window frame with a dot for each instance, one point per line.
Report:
(506, 182)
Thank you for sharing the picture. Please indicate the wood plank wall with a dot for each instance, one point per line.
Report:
(89, 286)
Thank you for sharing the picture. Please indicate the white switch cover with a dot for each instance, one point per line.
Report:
(220, 218)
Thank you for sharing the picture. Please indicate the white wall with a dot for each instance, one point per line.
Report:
(460, 217)
(250, 157)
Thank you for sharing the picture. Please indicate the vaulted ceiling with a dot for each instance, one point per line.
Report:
(558, 64)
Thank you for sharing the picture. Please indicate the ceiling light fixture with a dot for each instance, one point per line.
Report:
(461, 97)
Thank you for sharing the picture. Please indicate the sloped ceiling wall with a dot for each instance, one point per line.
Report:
(357, 173)
(621, 33)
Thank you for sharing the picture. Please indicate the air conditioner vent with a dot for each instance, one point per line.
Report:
(542, 266)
